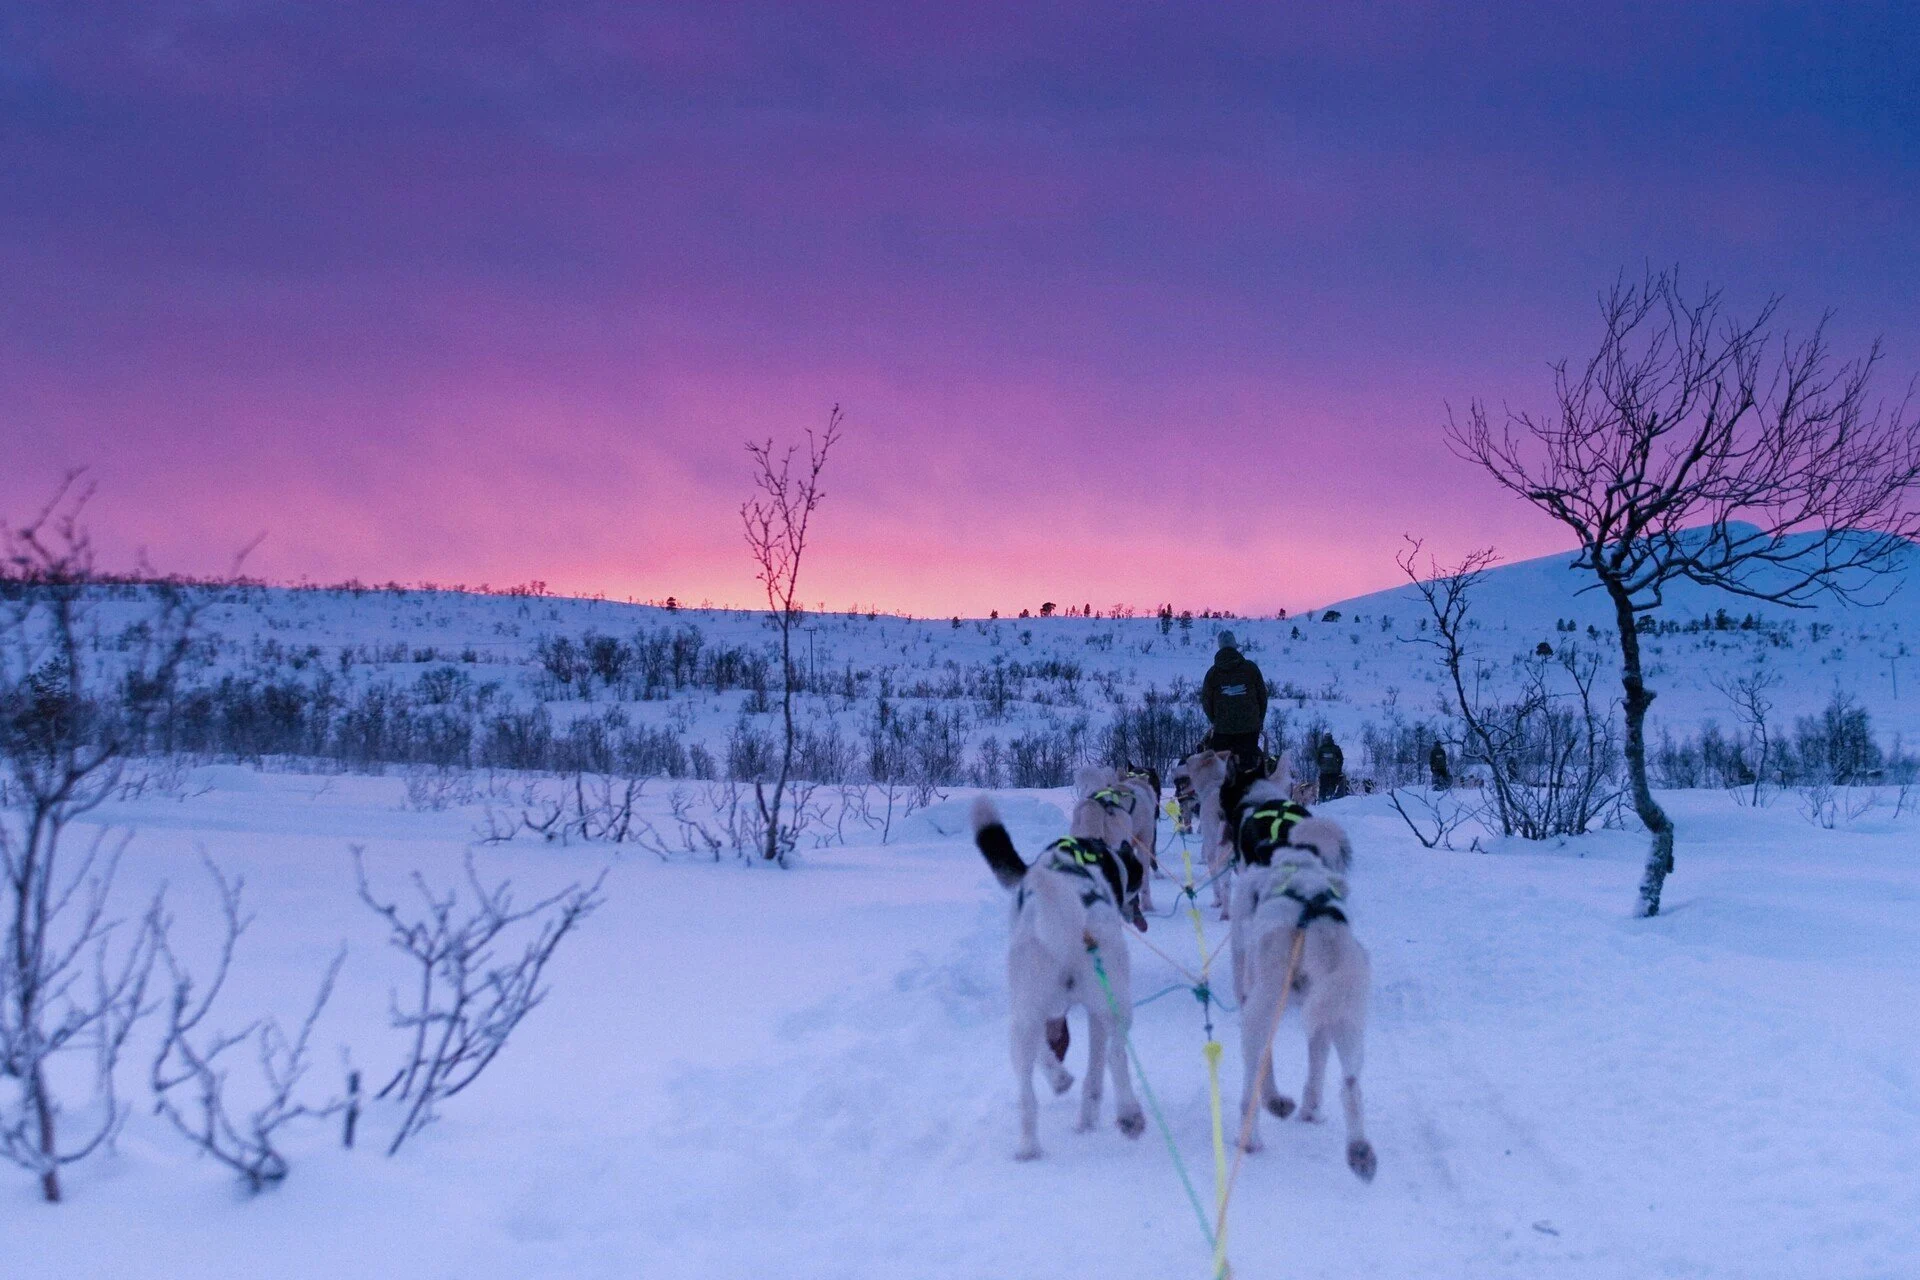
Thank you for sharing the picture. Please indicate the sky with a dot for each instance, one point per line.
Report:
(1124, 303)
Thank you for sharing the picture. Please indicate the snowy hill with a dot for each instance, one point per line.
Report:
(1009, 699)
(1543, 590)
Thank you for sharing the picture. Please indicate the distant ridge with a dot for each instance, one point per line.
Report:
(1537, 592)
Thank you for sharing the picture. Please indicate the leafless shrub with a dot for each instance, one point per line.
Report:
(693, 834)
(190, 1079)
(1827, 804)
(1548, 747)
(471, 997)
(588, 808)
(66, 726)
(437, 788)
(1432, 816)
(1819, 802)
(163, 777)
(1902, 772)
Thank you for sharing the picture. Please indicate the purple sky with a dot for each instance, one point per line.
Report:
(1124, 302)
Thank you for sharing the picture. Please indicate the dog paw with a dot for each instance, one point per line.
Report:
(1280, 1105)
(1061, 1083)
(1310, 1115)
(1132, 1123)
(1252, 1144)
(1360, 1159)
(1030, 1151)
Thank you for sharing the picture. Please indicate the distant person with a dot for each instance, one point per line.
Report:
(1332, 764)
(1234, 696)
(1437, 765)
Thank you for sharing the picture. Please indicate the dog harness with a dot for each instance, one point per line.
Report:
(1112, 876)
(1115, 798)
(1318, 906)
(1265, 827)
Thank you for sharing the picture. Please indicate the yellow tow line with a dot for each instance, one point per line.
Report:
(1221, 1179)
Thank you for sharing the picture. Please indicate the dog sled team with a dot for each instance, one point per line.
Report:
(1279, 876)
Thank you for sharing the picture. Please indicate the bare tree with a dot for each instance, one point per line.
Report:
(67, 724)
(776, 527)
(190, 1078)
(1699, 447)
(469, 999)
(1752, 698)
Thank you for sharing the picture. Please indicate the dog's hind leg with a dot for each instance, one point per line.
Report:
(1028, 1034)
(1053, 1061)
(1319, 1040)
(1098, 1026)
(1126, 1107)
(1259, 1020)
(1221, 887)
(1350, 1042)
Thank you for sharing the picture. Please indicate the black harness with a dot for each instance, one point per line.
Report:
(1264, 827)
(1318, 907)
(1112, 875)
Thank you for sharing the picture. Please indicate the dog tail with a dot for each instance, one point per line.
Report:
(1089, 778)
(995, 845)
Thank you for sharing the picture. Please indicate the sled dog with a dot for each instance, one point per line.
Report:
(1219, 788)
(1294, 881)
(1067, 917)
(1121, 806)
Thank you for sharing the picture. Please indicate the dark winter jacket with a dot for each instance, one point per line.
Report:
(1234, 694)
(1330, 758)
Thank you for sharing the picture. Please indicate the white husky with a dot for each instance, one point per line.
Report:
(1121, 806)
(1066, 919)
(1288, 890)
(1210, 777)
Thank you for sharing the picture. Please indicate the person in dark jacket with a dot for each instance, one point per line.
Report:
(1234, 696)
(1332, 764)
(1437, 765)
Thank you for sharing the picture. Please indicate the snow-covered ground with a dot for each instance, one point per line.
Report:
(762, 1073)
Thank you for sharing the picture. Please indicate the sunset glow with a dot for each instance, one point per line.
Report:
(1123, 305)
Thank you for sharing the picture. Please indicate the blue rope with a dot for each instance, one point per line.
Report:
(1166, 991)
(1153, 1104)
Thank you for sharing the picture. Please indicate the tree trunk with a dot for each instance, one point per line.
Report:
(772, 812)
(43, 1115)
(1638, 699)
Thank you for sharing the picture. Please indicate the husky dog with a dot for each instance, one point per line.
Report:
(1144, 782)
(1121, 806)
(1293, 883)
(1186, 802)
(1220, 788)
(1067, 915)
